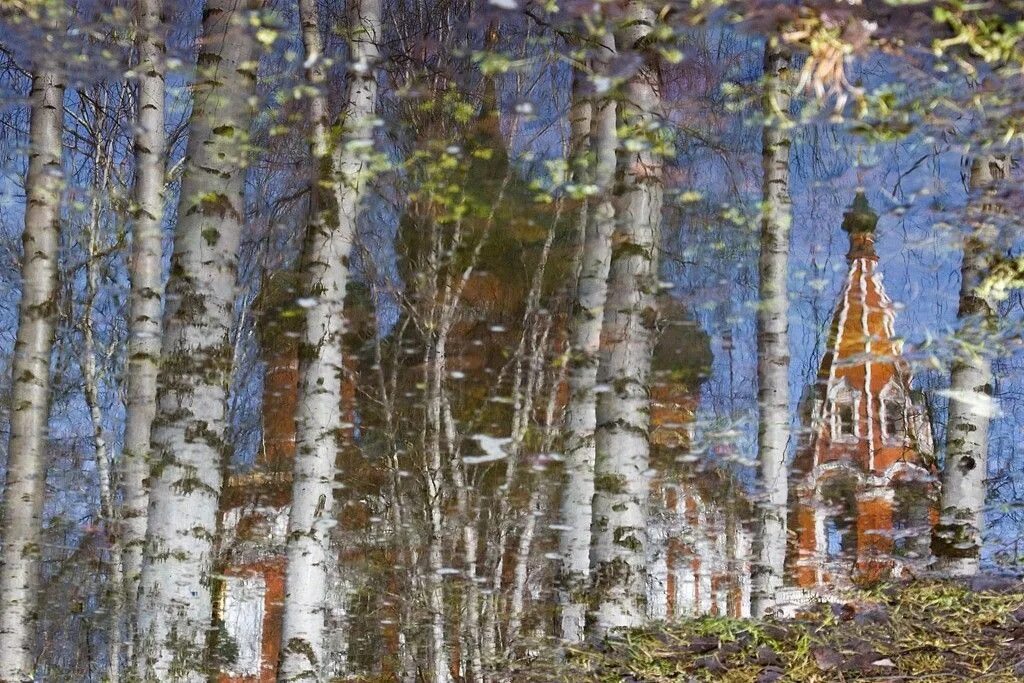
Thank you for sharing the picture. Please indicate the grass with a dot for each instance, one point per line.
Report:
(930, 632)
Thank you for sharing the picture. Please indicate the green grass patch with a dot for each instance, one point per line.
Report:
(932, 632)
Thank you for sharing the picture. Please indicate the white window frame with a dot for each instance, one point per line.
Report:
(892, 393)
(842, 394)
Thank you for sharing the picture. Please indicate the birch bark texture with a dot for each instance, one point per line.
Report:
(773, 432)
(146, 292)
(175, 601)
(102, 161)
(25, 485)
(584, 359)
(326, 272)
(621, 482)
(958, 536)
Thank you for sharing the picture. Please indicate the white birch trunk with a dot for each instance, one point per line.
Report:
(101, 453)
(146, 292)
(102, 160)
(27, 450)
(773, 432)
(617, 552)
(585, 341)
(958, 537)
(470, 540)
(103, 468)
(524, 409)
(521, 572)
(174, 609)
(433, 477)
(326, 273)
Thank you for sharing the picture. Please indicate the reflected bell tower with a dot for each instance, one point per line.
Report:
(863, 487)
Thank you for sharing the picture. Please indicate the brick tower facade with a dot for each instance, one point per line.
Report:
(863, 484)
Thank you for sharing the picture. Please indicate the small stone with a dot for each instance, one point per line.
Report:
(770, 674)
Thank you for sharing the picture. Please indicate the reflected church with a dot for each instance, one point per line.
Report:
(863, 482)
(862, 487)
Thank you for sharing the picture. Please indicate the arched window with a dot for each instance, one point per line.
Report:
(845, 424)
(844, 404)
(894, 415)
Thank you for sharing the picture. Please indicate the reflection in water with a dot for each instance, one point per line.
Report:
(699, 557)
(592, 256)
(863, 479)
(862, 499)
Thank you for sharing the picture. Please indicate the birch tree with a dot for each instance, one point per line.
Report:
(146, 291)
(585, 341)
(25, 488)
(175, 602)
(958, 536)
(773, 432)
(103, 109)
(470, 540)
(326, 269)
(619, 516)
